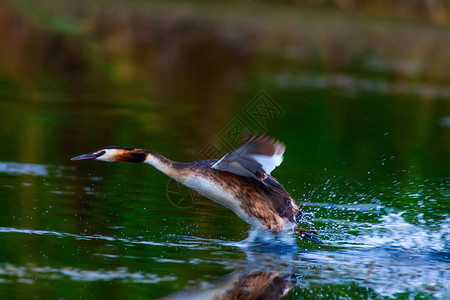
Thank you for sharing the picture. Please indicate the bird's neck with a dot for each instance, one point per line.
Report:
(165, 165)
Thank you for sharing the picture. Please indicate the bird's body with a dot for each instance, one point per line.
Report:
(258, 203)
(240, 180)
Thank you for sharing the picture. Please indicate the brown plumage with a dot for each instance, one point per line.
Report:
(240, 180)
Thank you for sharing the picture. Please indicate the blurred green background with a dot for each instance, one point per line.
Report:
(357, 90)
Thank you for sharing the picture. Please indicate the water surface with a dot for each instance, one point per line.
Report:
(367, 160)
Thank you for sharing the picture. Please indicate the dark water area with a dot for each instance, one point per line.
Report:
(361, 102)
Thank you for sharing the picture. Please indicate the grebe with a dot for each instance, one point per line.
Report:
(240, 180)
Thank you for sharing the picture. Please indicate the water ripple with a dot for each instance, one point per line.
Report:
(14, 168)
(29, 272)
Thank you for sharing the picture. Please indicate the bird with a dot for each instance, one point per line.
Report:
(240, 180)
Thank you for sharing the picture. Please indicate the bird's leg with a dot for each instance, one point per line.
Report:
(306, 234)
(300, 231)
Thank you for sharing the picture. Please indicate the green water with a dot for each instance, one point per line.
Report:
(367, 159)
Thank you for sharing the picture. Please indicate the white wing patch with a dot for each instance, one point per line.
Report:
(268, 163)
(256, 158)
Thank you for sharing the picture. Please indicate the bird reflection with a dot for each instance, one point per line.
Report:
(266, 273)
(241, 284)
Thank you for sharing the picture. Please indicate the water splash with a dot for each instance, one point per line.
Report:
(391, 257)
(394, 232)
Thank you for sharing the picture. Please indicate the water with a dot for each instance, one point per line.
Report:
(367, 157)
(103, 229)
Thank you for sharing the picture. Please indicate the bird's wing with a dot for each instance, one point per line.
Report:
(256, 157)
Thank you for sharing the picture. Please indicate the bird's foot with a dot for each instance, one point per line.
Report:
(306, 234)
(300, 231)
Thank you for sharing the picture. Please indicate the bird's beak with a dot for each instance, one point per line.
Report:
(92, 155)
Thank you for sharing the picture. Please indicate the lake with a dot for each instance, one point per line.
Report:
(366, 126)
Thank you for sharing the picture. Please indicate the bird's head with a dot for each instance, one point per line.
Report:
(115, 153)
